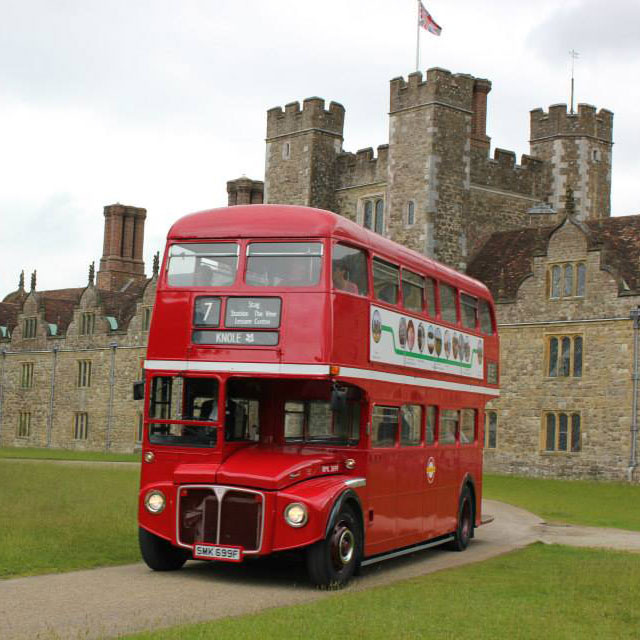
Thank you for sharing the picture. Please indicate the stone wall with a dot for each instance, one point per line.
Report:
(54, 398)
(602, 395)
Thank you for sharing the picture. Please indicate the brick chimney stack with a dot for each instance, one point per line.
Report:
(121, 260)
(479, 137)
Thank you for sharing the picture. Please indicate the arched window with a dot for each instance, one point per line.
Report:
(379, 226)
(411, 213)
(368, 215)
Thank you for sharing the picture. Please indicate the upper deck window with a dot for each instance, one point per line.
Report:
(486, 324)
(284, 264)
(349, 270)
(202, 265)
(412, 290)
(448, 307)
(431, 296)
(385, 281)
(469, 308)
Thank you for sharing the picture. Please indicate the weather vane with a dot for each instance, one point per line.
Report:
(574, 54)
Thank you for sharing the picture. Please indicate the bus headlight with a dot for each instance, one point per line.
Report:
(296, 514)
(155, 501)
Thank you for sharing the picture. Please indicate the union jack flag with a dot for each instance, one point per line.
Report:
(427, 22)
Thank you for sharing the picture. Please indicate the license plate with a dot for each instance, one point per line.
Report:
(204, 551)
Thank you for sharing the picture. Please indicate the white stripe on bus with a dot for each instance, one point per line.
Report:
(314, 370)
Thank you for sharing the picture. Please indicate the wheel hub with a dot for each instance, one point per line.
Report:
(342, 546)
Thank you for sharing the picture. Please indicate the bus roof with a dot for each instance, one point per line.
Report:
(289, 221)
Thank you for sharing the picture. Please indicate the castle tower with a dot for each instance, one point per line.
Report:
(576, 148)
(433, 125)
(121, 260)
(302, 147)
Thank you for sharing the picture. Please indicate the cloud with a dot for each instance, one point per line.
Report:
(594, 29)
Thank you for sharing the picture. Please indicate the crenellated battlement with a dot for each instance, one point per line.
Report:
(362, 167)
(501, 172)
(440, 86)
(586, 122)
(313, 115)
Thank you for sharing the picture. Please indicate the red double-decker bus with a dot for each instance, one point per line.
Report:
(310, 385)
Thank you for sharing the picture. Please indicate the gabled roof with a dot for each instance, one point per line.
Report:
(506, 259)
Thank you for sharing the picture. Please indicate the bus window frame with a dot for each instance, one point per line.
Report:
(386, 263)
(185, 376)
(238, 242)
(243, 265)
(368, 264)
(422, 311)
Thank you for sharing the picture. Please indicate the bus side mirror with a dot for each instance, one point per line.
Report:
(339, 398)
(138, 390)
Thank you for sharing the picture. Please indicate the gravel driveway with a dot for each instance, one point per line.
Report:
(108, 602)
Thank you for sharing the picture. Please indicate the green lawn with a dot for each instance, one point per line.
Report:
(541, 592)
(595, 504)
(60, 517)
(67, 454)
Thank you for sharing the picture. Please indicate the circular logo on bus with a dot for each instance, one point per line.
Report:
(431, 469)
(411, 335)
(376, 326)
(421, 337)
(402, 332)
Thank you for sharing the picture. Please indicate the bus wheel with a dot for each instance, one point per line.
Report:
(332, 562)
(159, 554)
(464, 531)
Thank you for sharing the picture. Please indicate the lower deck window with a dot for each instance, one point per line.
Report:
(449, 425)
(467, 426)
(315, 421)
(411, 425)
(384, 426)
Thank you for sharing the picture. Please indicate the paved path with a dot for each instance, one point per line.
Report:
(108, 602)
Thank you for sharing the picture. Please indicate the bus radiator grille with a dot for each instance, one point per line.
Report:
(220, 515)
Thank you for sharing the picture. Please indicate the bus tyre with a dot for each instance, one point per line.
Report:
(159, 554)
(333, 561)
(464, 530)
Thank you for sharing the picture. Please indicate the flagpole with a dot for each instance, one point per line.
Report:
(418, 38)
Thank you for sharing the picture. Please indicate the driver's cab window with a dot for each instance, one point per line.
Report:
(177, 398)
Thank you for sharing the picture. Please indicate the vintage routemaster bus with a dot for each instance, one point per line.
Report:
(313, 386)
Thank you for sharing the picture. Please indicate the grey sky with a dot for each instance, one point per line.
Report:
(157, 103)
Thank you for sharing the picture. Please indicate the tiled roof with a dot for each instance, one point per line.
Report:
(59, 305)
(9, 314)
(506, 259)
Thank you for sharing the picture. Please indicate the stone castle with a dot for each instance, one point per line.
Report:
(564, 274)
(433, 187)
